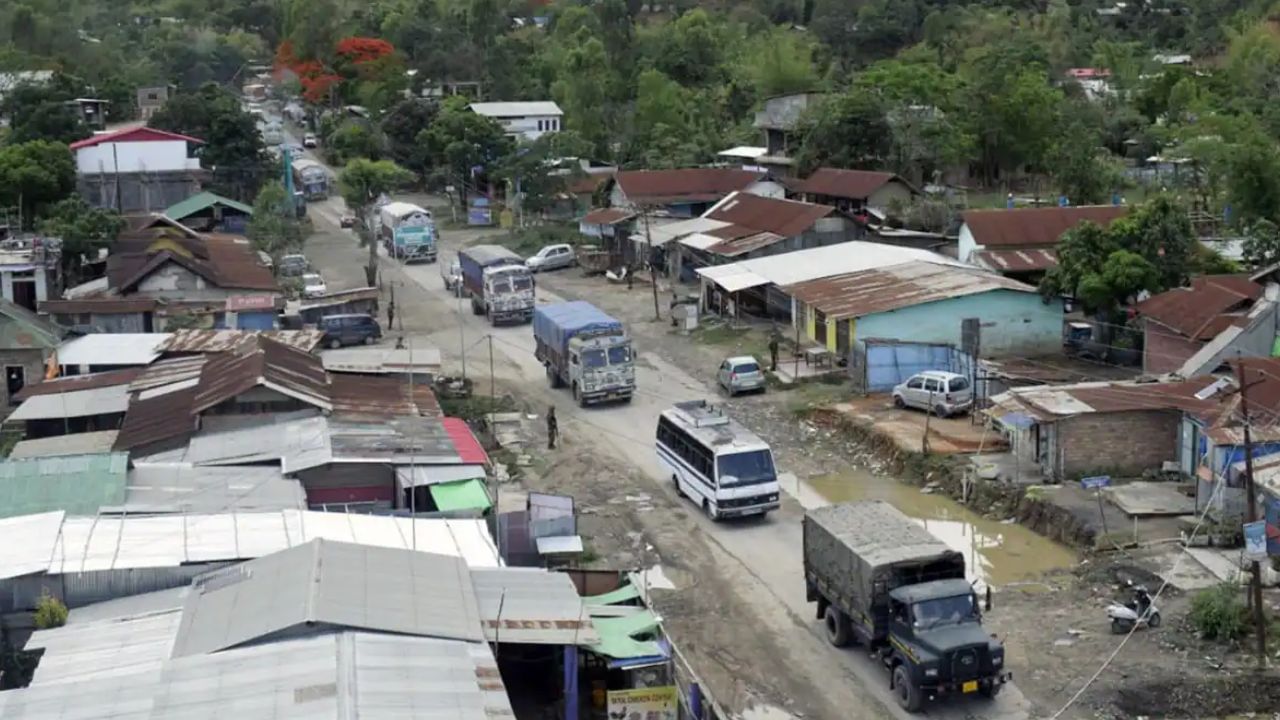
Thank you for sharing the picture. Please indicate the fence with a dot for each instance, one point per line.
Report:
(879, 365)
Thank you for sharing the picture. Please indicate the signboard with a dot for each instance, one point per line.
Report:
(1271, 509)
(1096, 482)
(1255, 540)
(654, 703)
(479, 216)
(413, 235)
(240, 303)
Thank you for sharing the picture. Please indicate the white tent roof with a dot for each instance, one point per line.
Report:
(802, 265)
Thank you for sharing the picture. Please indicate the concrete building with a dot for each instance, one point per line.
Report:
(1022, 242)
(26, 343)
(778, 121)
(137, 169)
(750, 226)
(685, 192)
(208, 212)
(523, 120)
(926, 303)
(151, 99)
(855, 191)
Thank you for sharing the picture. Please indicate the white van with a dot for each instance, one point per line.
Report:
(716, 462)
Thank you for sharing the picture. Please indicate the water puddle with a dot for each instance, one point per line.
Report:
(996, 553)
(765, 712)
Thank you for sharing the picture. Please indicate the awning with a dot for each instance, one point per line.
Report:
(418, 475)
(613, 597)
(617, 636)
(559, 545)
(461, 495)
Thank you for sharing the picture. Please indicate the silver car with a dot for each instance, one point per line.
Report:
(452, 274)
(552, 257)
(942, 393)
(740, 374)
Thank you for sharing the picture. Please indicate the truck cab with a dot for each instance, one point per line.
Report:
(508, 293)
(938, 644)
(602, 367)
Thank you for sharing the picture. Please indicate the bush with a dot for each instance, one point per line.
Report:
(1218, 613)
(50, 612)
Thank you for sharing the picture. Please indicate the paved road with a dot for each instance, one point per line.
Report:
(762, 558)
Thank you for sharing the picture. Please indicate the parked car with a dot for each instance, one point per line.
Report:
(293, 265)
(347, 221)
(942, 393)
(310, 140)
(740, 374)
(552, 257)
(340, 330)
(313, 285)
(452, 274)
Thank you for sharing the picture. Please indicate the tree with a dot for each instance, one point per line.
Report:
(50, 121)
(537, 171)
(848, 130)
(1095, 269)
(1159, 230)
(1262, 244)
(1254, 180)
(362, 181)
(233, 149)
(464, 144)
(401, 126)
(274, 228)
(1084, 171)
(50, 612)
(35, 174)
(583, 90)
(84, 231)
(781, 63)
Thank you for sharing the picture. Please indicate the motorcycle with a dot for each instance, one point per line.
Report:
(1140, 611)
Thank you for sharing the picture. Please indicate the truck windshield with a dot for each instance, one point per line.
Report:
(747, 468)
(522, 283)
(619, 355)
(593, 358)
(943, 611)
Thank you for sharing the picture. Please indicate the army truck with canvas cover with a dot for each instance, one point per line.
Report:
(882, 580)
(499, 284)
(585, 349)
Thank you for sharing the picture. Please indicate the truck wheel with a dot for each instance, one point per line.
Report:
(675, 481)
(990, 690)
(907, 693)
(837, 626)
(553, 378)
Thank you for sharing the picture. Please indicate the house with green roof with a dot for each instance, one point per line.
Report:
(208, 212)
(76, 484)
(26, 342)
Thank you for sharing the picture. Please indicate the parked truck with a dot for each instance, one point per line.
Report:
(498, 283)
(585, 349)
(408, 232)
(884, 581)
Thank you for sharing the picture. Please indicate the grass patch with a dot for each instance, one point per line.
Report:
(476, 407)
(807, 396)
(1218, 612)
(527, 241)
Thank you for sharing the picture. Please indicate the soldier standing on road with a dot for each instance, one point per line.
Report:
(391, 314)
(553, 428)
(631, 276)
(773, 352)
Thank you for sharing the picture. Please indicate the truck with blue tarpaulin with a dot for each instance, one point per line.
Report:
(498, 283)
(586, 350)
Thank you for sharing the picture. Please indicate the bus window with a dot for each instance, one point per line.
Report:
(747, 468)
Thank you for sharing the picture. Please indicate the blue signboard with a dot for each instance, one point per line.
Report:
(1271, 510)
(1096, 482)
(1255, 540)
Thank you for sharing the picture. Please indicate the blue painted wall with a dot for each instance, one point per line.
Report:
(1013, 323)
(888, 365)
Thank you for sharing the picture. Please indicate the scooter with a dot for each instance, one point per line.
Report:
(1140, 611)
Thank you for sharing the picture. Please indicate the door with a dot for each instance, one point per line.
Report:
(911, 395)
(932, 389)
(722, 376)
(820, 327)
(15, 377)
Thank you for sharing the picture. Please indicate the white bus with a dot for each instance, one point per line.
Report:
(716, 462)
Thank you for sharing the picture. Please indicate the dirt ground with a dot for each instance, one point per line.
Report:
(752, 649)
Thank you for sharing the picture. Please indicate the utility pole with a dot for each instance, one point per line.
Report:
(653, 271)
(1255, 584)
(493, 393)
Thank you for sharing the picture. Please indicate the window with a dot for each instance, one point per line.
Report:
(679, 442)
(944, 611)
(958, 384)
(748, 468)
(15, 377)
(593, 358)
(915, 383)
(619, 355)
(931, 385)
(747, 368)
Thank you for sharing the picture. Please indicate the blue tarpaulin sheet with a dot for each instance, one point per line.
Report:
(558, 323)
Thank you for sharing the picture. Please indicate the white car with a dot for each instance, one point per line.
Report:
(310, 140)
(552, 257)
(313, 285)
(942, 393)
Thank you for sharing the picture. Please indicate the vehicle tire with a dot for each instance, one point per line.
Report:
(905, 691)
(369, 339)
(990, 690)
(335, 343)
(1154, 620)
(836, 623)
(899, 403)
(675, 482)
(1119, 627)
(711, 514)
(940, 411)
(553, 378)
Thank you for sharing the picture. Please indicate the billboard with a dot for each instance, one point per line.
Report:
(653, 703)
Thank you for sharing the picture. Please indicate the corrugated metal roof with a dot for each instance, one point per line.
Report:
(423, 475)
(744, 151)
(526, 108)
(1056, 401)
(56, 544)
(264, 442)
(200, 201)
(185, 489)
(537, 606)
(168, 372)
(661, 234)
(157, 418)
(112, 349)
(1035, 227)
(787, 218)
(815, 263)
(130, 606)
(898, 286)
(743, 245)
(331, 583)
(282, 368)
(1206, 308)
(685, 184)
(78, 484)
(81, 403)
(88, 443)
(1017, 260)
(382, 361)
(606, 216)
(104, 648)
(71, 383)
(365, 396)
(849, 184)
(208, 341)
(103, 305)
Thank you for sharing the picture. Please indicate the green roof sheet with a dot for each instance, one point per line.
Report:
(461, 495)
(617, 635)
(613, 597)
(78, 484)
(200, 201)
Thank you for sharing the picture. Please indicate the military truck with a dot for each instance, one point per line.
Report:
(500, 286)
(882, 580)
(585, 349)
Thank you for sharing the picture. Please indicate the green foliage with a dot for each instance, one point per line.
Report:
(1084, 171)
(1254, 180)
(848, 130)
(401, 126)
(361, 182)
(354, 138)
(781, 62)
(275, 228)
(1218, 613)
(35, 174)
(459, 141)
(50, 612)
(84, 230)
(1262, 244)
(233, 148)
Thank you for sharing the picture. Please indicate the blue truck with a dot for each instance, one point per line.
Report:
(499, 284)
(585, 349)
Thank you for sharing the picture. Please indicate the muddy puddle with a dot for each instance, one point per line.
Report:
(996, 553)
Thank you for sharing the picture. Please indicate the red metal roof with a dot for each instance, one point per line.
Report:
(380, 396)
(849, 184)
(607, 216)
(72, 383)
(99, 304)
(1034, 227)
(137, 134)
(787, 218)
(157, 418)
(464, 442)
(1007, 261)
(688, 184)
(226, 261)
(1212, 304)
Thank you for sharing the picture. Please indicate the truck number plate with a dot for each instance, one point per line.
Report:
(971, 686)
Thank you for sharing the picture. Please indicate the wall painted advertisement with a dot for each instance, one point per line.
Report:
(653, 703)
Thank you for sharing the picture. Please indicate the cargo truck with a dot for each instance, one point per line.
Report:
(882, 580)
(498, 283)
(586, 350)
(408, 232)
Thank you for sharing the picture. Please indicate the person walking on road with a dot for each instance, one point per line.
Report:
(773, 352)
(553, 428)
(391, 314)
(631, 276)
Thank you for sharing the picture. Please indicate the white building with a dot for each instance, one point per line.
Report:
(137, 169)
(523, 120)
